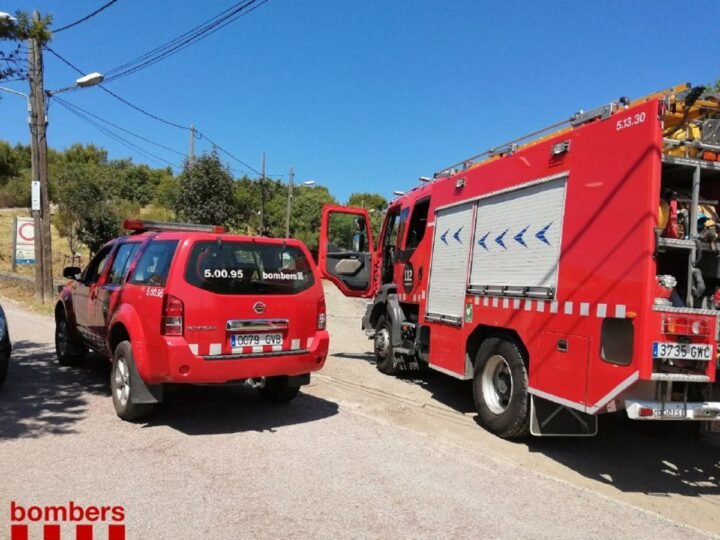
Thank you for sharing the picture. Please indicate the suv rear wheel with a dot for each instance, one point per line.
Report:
(279, 390)
(121, 385)
(69, 352)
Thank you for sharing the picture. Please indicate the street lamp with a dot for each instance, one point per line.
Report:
(6, 17)
(291, 178)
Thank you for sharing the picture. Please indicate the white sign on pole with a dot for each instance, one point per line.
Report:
(35, 195)
(24, 240)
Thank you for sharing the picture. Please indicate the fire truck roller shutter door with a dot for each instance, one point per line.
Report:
(449, 264)
(517, 237)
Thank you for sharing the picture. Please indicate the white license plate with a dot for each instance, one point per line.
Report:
(681, 351)
(255, 340)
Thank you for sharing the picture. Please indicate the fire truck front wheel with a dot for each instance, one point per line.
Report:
(382, 345)
(500, 385)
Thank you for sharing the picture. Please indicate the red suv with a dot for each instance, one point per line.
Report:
(177, 303)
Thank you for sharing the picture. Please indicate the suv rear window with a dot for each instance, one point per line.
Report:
(248, 268)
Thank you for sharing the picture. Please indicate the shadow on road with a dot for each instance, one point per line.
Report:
(207, 410)
(660, 461)
(40, 398)
(454, 393)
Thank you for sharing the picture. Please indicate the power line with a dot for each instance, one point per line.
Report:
(113, 94)
(203, 30)
(208, 139)
(86, 17)
(67, 104)
(151, 115)
(128, 144)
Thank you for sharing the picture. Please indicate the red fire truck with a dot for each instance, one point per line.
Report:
(569, 273)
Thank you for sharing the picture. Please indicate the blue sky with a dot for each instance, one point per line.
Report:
(365, 95)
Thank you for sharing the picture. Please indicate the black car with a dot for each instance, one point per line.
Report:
(5, 346)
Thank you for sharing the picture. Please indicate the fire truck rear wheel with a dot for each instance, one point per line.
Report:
(121, 386)
(382, 346)
(500, 385)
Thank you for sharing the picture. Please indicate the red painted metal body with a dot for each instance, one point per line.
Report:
(607, 266)
(100, 313)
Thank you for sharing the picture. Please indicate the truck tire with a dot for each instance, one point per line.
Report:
(278, 390)
(382, 346)
(69, 352)
(121, 385)
(500, 388)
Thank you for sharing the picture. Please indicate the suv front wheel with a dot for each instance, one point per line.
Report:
(121, 385)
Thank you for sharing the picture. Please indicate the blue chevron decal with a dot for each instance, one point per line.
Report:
(481, 242)
(443, 236)
(456, 236)
(499, 239)
(519, 236)
(540, 235)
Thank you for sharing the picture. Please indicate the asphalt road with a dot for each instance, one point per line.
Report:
(358, 454)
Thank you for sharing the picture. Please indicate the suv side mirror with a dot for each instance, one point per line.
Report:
(72, 272)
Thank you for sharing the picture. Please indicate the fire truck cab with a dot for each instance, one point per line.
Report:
(568, 276)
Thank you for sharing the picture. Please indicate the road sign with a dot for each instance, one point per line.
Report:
(35, 195)
(24, 241)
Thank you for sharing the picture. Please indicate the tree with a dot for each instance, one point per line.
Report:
(375, 204)
(307, 212)
(87, 154)
(135, 183)
(206, 193)
(12, 34)
(86, 209)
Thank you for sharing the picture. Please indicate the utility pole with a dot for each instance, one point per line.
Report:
(191, 152)
(291, 179)
(262, 197)
(38, 139)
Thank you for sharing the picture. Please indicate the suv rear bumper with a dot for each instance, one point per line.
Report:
(182, 366)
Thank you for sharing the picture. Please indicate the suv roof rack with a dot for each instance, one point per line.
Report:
(143, 225)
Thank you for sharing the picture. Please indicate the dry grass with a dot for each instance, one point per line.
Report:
(25, 296)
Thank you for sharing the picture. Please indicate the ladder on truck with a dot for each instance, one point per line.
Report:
(683, 104)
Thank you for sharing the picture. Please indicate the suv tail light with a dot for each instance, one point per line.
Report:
(172, 316)
(322, 318)
(685, 326)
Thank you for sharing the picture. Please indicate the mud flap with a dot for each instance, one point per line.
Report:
(141, 392)
(548, 419)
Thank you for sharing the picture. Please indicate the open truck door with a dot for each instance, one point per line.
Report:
(346, 253)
